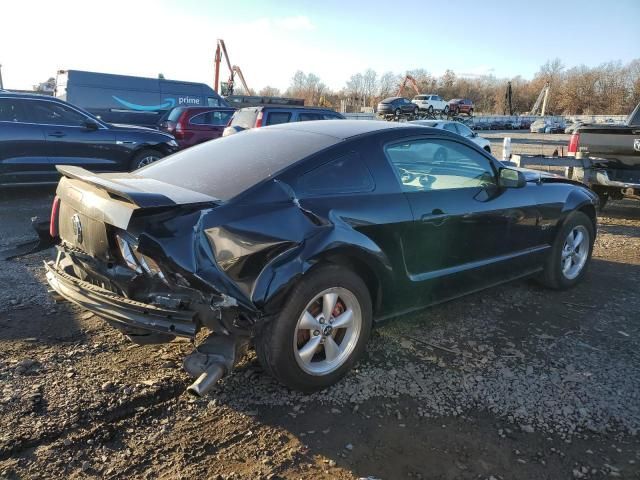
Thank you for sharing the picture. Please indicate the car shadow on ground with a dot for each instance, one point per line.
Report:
(384, 437)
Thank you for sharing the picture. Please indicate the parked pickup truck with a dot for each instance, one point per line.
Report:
(613, 153)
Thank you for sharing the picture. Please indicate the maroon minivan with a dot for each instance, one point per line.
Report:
(193, 125)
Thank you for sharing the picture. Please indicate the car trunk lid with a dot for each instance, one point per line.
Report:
(89, 204)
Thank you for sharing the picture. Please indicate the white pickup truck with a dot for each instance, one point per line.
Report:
(431, 103)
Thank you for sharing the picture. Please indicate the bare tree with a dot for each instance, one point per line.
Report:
(388, 84)
(369, 86)
(269, 92)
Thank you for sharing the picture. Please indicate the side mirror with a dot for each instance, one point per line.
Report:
(90, 124)
(474, 134)
(510, 178)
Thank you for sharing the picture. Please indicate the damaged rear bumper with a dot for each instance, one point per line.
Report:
(123, 312)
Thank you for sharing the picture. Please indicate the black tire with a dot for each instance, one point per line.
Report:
(430, 109)
(457, 111)
(471, 112)
(141, 158)
(398, 112)
(416, 111)
(275, 346)
(552, 276)
(446, 110)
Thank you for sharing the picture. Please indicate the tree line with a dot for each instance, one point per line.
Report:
(611, 88)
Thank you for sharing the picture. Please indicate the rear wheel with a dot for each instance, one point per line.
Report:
(398, 112)
(320, 333)
(446, 110)
(471, 112)
(571, 252)
(145, 157)
(430, 109)
(416, 111)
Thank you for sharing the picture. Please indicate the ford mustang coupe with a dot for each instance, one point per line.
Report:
(293, 239)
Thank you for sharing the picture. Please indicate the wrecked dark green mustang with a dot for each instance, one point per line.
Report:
(293, 239)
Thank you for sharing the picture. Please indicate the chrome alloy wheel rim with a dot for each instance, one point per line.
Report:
(144, 161)
(327, 332)
(575, 252)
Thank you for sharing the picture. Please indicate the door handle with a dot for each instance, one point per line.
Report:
(436, 218)
(57, 134)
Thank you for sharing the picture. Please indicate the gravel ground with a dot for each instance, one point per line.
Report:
(514, 382)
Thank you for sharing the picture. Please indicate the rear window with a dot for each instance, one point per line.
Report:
(174, 114)
(274, 118)
(231, 165)
(245, 118)
(420, 97)
(10, 110)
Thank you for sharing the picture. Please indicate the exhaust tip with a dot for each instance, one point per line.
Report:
(207, 380)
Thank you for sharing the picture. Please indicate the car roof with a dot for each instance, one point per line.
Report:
(288, 107)
(342, 129)
(7, 93)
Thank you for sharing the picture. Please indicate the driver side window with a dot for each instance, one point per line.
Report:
(424, 165)
(50, 113)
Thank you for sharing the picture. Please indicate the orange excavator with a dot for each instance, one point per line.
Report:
(412, 82)
(221, 50)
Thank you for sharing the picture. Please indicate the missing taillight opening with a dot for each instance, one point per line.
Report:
(53, 221)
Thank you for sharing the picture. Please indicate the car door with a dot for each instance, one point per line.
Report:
(23, 150)
(460, 238)
(208, 125)
(70, 141)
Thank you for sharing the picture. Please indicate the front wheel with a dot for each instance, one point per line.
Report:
(144, 158)
(320, 333)
(471, 112)
(416, 111)
(446, 110)
(571, 252)
(430, 109)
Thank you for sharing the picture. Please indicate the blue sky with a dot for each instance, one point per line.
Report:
(331, 38)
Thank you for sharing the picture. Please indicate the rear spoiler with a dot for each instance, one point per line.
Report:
(142, 191)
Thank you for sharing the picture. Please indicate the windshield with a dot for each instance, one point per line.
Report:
(228, 166)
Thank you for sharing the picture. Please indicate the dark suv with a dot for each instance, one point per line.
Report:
(38, 132)
(262, 116)
(397, 106)
(193, 125)
(461, 105)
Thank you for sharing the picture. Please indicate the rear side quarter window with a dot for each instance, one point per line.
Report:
(344, 175)
(274, 118)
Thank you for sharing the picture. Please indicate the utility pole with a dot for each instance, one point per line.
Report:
(507, 99)
(1, 84)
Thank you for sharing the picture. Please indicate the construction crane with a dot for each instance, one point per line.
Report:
(412, 82)
(221, 50)
(542, 98)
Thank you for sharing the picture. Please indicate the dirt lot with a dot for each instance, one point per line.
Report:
(516, 382)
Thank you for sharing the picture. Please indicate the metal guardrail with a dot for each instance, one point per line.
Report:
(481, 118)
